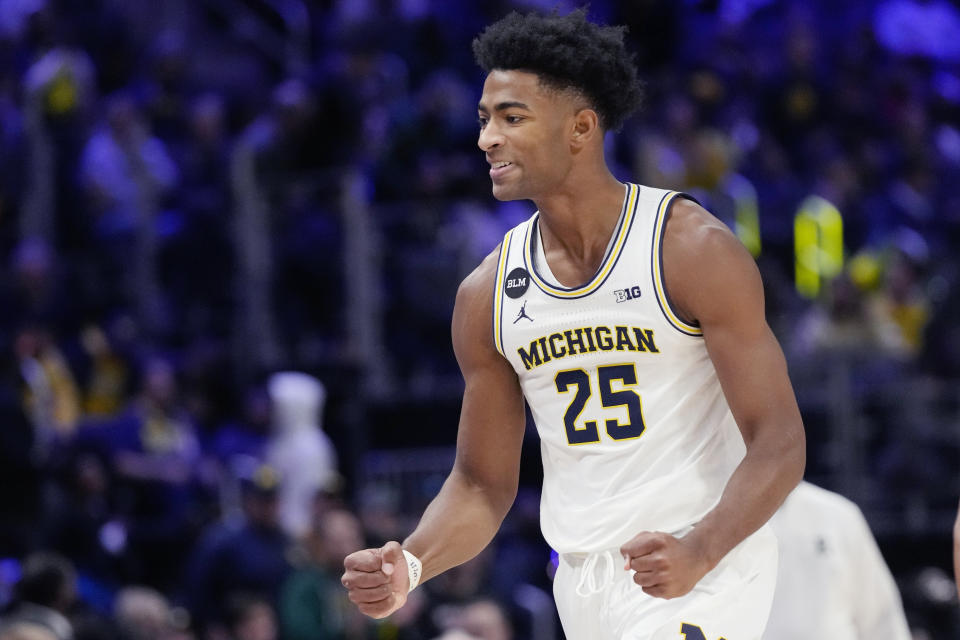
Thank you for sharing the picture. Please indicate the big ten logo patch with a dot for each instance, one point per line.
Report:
(622, 295)
(517, 282)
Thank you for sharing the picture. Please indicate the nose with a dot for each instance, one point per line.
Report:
(489, 138)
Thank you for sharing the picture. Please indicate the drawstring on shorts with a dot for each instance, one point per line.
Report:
(590, 583)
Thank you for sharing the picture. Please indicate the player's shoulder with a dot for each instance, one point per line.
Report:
(706, 267)
(473, 313)
(479, 283)
(691, 228)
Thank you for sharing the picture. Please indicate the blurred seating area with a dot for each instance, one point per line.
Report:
(231, 235)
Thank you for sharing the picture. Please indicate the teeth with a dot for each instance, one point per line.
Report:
(500, 165)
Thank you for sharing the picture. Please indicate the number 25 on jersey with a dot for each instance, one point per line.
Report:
(588, 432)
(693, 632)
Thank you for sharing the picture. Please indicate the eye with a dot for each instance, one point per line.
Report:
(514, 119)
(482, 121)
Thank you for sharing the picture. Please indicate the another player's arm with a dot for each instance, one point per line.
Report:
(711, 279)
(480, 489)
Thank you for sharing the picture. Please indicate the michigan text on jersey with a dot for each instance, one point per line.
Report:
(586, 340)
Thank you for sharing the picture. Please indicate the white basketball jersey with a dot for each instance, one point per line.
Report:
(636, 434)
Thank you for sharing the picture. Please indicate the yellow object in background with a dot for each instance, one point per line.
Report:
(818, 245)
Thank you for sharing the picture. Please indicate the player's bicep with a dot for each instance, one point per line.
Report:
(492, 417)
(748, 359)
(720, 286)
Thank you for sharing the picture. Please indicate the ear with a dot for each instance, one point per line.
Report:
(586, 127)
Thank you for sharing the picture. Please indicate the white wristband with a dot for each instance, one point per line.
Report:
(414, 569)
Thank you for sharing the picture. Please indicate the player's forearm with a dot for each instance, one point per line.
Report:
(458, 524)
(771, 469)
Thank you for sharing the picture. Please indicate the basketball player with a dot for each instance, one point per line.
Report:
(832, 580)
(632, 322)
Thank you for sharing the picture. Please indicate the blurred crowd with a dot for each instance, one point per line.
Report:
(231, 232)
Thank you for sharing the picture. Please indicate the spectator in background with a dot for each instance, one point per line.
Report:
(262, 163)
(797, 97)
(199, 301)
(904, 297)
(141, 613)
(125, 167)
(128, 175)
(165, 87)
(108, 373)
(660, 157)
(37, 288)
(153, 452)
(246, 436)
(424, 156)
(25, 631)
(51, 398)
(844, 322)
(45, 594)
(59, 95)
(249, 617)
(155, 440)
(484, 620)
(453, 591)
(832, 581)
(299, 450)
(237, 446)
(313, 604)
(455, 634)
(41, 378)
(250, 554)
(82, 522)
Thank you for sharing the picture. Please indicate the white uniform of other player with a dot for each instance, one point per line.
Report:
(833, 582)
(636, 434)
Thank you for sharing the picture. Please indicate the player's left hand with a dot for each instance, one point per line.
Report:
(666, 567)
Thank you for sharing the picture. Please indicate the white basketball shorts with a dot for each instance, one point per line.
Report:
(598, 600)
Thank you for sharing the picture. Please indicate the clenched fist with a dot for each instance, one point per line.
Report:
(377, 579)
(666, 567)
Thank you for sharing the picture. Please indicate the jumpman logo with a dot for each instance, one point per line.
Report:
(523, 313)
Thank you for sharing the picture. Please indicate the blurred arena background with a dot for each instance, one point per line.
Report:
(231, 233)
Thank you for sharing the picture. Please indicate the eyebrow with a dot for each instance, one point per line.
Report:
(501, 106)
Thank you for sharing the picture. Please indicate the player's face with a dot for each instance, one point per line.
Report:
(523, 132)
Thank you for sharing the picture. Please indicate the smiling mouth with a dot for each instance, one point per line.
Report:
(497, 169)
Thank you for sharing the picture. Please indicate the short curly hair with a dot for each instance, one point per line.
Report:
(567, 52)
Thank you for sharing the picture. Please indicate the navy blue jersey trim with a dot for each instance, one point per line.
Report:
(657, 246)
(503, 292)
(528, 250)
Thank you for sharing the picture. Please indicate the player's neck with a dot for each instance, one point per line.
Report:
(579, 217)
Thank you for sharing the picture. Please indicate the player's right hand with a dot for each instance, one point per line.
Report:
(377, 580)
